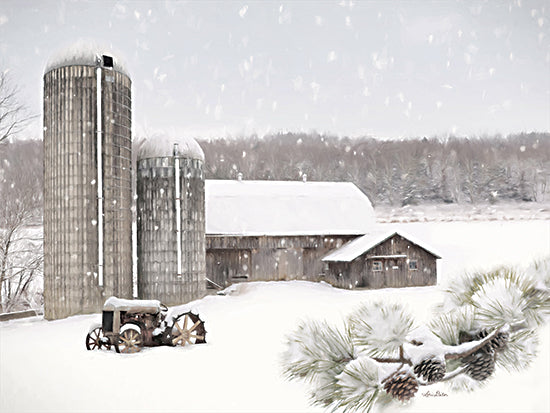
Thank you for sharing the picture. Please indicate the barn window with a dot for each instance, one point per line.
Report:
(413, 265)
(377, 265)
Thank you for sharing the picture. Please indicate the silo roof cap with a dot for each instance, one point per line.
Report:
(85, 53)
(160, 146)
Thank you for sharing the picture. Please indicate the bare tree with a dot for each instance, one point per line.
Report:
(20, 233)
(14, 115)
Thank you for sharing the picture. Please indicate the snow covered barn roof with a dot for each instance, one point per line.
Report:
(286, 208)
(159, 146)
(85, 53)
(361, 245)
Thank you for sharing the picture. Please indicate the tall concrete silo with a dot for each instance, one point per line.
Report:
(87, 182)
(171, 220)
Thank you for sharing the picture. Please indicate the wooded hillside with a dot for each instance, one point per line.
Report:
(404, 172)
(390, 172)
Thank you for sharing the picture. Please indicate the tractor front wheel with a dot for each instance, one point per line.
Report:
(129, 341)
(95, 340)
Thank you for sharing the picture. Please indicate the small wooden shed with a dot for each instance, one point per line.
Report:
(382, 260)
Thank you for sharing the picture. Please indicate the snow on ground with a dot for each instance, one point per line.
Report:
(46, 368)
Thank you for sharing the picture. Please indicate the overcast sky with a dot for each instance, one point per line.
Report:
(352, 68)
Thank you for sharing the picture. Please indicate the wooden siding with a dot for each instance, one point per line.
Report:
(395, 255)
(268, 258)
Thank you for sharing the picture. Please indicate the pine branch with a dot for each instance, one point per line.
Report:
(401, 359)
(392, 360)
(380, 328)
(464, 350)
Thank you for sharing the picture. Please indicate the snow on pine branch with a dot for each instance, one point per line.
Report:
(489, 321)
(504, 295)
(380, 329)
(315, 347)
(318, 353)
(359, 385)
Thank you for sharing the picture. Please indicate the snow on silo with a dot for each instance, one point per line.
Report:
(171, 220)
(87, 181)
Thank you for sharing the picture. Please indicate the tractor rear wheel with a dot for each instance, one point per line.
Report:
(188, 329)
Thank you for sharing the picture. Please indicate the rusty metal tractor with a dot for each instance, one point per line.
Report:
(130, 325)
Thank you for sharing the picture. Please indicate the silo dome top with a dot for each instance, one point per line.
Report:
(159, 146)
(85, 53)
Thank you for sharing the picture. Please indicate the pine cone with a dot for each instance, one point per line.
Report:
(480, 365)
(402, 385)
(431, 370)
(498, 342)
(480, 335)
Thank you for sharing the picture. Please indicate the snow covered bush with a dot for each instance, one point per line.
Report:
(487, 321)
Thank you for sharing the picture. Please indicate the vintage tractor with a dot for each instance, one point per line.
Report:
(129, 325)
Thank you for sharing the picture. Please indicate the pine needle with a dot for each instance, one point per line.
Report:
(380, 329)
(520, 351)
(318, 353)
(448, 326)
(359, 386)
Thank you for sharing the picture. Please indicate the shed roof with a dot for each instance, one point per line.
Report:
(361, 245)
(286, 208)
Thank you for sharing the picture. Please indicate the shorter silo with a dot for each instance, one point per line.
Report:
(171, 264)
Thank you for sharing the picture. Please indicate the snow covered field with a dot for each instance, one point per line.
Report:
(46, 368)
(502, 211)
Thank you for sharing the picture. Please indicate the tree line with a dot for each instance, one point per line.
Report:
(390, 172)
(395, 172)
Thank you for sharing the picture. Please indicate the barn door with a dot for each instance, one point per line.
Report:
(228, 266)
(214, 270)
(243, 271)
(281, 263)
(312, 264)
(395, 277)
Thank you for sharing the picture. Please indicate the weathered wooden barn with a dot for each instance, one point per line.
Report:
(382, 260)
(279, 230)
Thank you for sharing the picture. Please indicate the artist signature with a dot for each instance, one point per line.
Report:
(435, 394)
